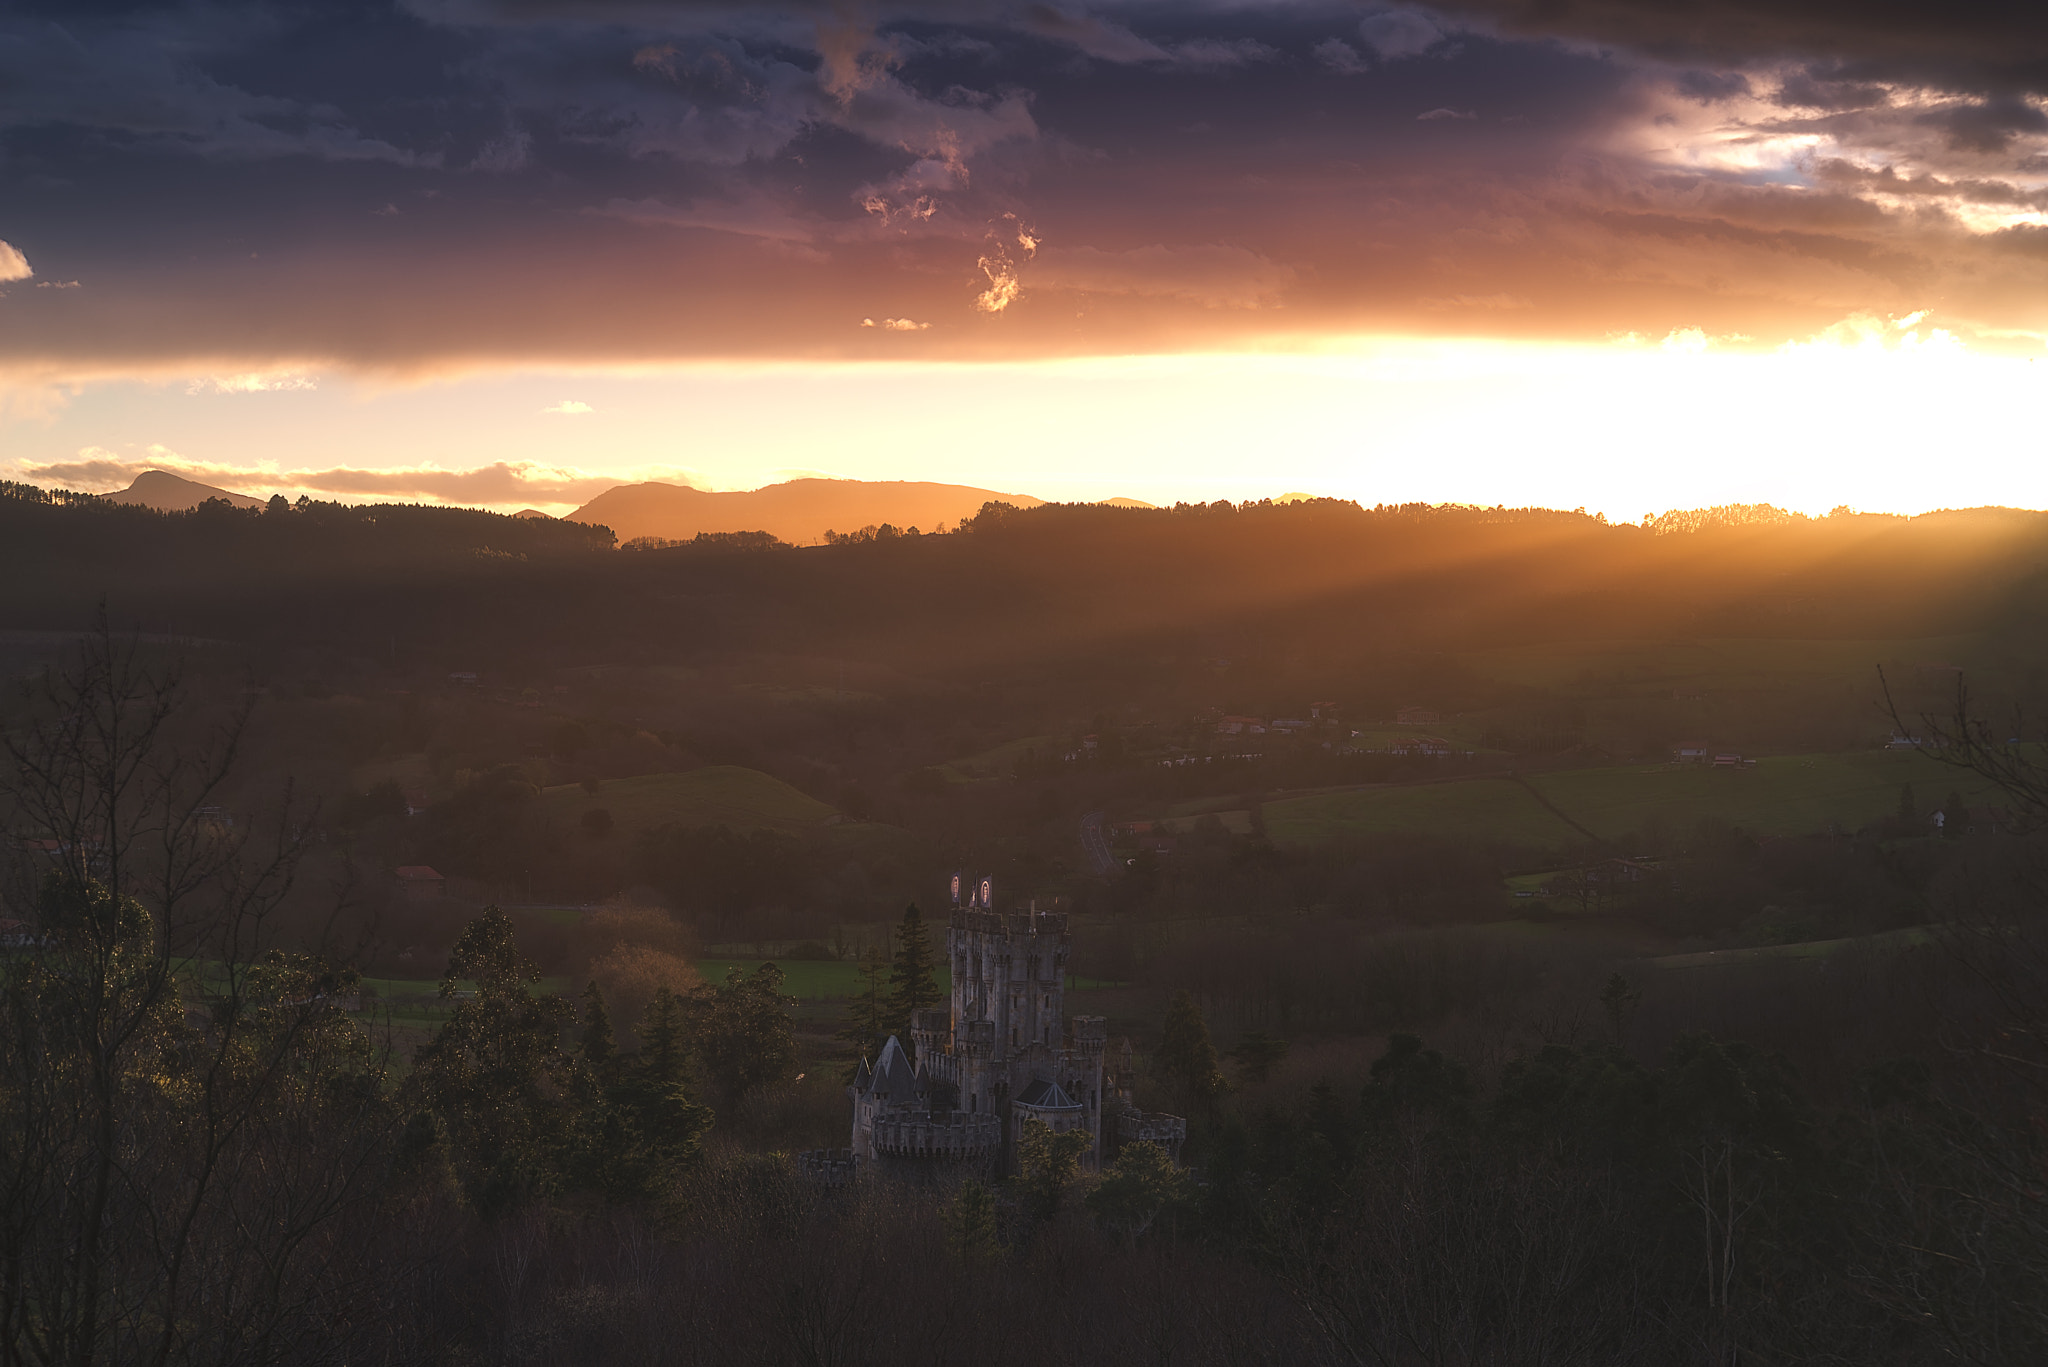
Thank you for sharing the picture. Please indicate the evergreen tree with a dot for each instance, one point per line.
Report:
(1955, 816)
(914, 985)
(867, 1023)
(639, 1132)
(1907, 811)
(495, 1073)
(1187, 1057)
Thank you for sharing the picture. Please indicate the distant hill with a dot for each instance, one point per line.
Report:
(802, 510)
(1126, 503)
(532, 513)
(167, 493)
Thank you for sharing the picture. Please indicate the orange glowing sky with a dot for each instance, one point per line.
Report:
(511, 251)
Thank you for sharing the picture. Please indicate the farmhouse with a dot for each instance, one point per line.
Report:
(1417, 716)
(1690, 752)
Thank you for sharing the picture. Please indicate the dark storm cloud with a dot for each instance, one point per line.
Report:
(448, 181)
(1979, 45)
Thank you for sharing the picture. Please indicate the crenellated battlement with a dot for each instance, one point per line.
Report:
(1169, 1132)
(1009, 923)
(1091, 1034)
(957, 1136)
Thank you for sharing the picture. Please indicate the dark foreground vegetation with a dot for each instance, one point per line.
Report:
(1713, 1091)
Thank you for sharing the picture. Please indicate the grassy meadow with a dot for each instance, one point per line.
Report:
(717, 795)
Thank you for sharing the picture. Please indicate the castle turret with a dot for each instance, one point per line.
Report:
(931, 1032)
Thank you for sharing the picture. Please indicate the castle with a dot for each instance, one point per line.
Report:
(1000, 1056)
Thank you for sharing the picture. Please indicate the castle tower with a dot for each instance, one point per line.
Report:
(999, 1057)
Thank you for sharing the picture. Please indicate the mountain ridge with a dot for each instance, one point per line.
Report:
(797, 510)
(169, 493)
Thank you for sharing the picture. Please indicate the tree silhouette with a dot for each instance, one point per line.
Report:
(913, 983)
(1187, 1057)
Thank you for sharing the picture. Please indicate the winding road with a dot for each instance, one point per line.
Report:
(1095, 845)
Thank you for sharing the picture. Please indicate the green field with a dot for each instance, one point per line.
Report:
(717, 795)
(1781, 795)
(999, 762)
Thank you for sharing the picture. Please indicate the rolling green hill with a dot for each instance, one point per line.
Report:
(1783, 795)
(717, 795)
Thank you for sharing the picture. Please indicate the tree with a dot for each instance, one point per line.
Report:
(1619, 1001)
(1048, 1162)
(495, 1073)
(913, 985)
(971, 1222)
(1187, 1057)
(869, 1015)
(643, 1129)
(599, 1044)
(187, 1122)
(1143, 1185)
(742, 1033)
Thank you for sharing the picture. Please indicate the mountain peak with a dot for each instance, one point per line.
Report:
(169, 493)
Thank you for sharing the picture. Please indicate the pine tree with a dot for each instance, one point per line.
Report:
(1187, 1056)
(867, 1020)
(914, 985)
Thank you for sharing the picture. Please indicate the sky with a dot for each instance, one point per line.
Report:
(1613, 254)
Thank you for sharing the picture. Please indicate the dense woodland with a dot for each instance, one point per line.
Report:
(258, 1105)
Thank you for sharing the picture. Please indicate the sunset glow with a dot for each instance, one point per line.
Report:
(1866, 415)
(1463, 253)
